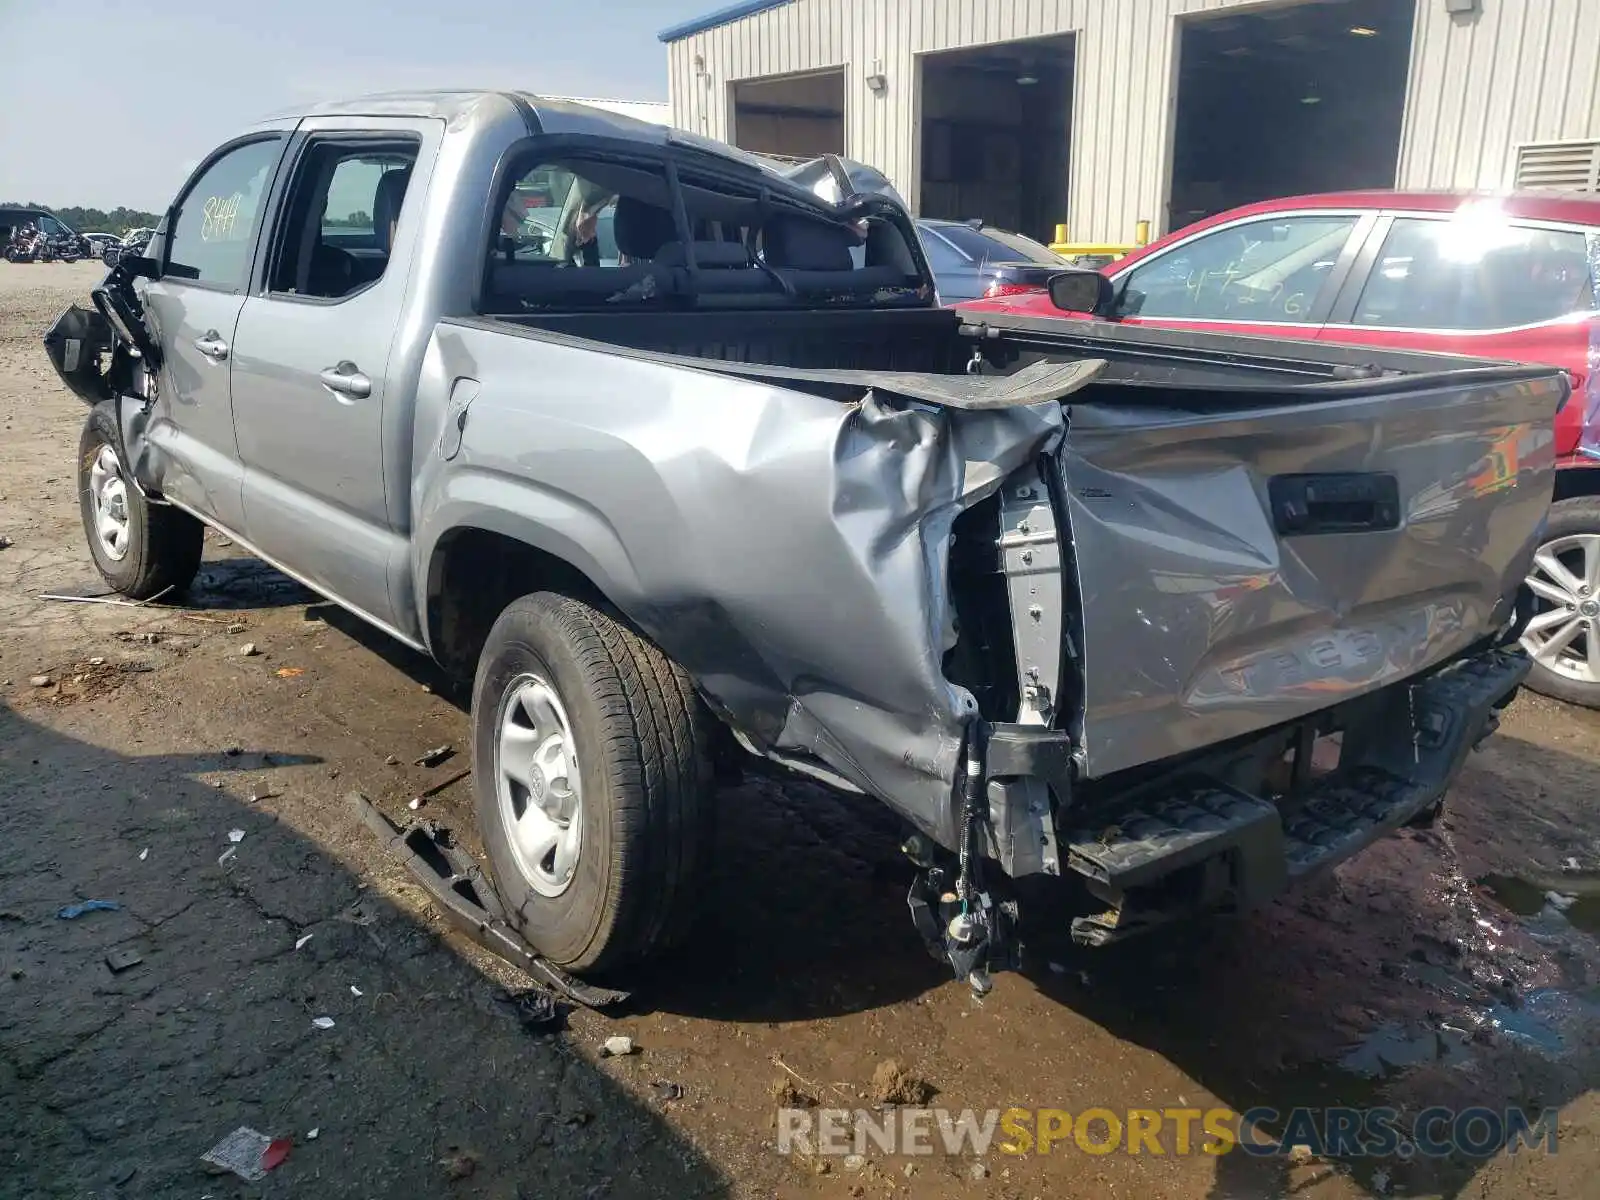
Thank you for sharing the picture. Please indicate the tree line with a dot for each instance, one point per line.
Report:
(93, 220)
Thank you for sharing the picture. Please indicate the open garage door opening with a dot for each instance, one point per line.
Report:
(1301, 98)
(996, 134)
(790, 116)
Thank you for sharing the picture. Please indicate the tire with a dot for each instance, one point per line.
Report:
(644, 803)
(1572, 672)
(159, 547)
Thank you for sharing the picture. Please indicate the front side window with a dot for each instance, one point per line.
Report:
(215, 231)
(1275, 270)
(1474, 270)
(50, 226)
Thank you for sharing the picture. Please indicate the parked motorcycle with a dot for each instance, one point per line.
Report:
(24, 247)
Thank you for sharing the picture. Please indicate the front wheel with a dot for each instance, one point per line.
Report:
(1563, 635)
(141, 549)
(593, 782)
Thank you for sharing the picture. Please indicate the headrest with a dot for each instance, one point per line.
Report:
(641, 229)
(386, 200)
(803, 245)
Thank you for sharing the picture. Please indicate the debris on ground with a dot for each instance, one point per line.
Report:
(458, 1164)
(535, 1009)
(391, 761)
(314, 1134)
(5, 542)
(432, 758)
(236, 628)
(667, 1091)
(290, 672)
(40, 681)
(426, 794)
(144, 854)
(73, 911)
(356, 992)
(97, 661)
(789, 1096)
(244, 1153)
(248, 650)
(232, 751)
(322, 1022)
(303, 939)
(855, 1162)
(617, 1047)
(893, 1085)
(980, 1170)
(236, 836)
(123, 958)
(227, 854)
(275, 1153)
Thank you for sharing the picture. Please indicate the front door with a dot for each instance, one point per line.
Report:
(1268, 276)
(311, 384)
(192, 308)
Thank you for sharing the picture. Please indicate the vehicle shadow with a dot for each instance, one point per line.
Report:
(804, 912)
(132, 1041)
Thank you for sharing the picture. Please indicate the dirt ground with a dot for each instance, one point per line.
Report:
(1403, 980)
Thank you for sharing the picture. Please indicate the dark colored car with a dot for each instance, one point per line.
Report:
(1505, 277)
(13, 218)
(972, 260)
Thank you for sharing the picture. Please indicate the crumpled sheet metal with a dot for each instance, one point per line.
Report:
(1201, 623)
(789, 550)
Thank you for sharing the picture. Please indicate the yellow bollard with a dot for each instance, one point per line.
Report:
(1141, 232)
(1061, 233)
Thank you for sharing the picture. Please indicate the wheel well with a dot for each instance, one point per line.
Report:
(1572, 482)
(474, 574)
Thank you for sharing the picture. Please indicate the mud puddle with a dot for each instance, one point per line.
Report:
(1573, 898)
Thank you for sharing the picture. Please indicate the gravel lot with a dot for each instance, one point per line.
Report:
(1402, 980)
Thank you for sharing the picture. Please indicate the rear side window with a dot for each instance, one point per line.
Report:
(215, 232)
(337, 226)
(1474, 271)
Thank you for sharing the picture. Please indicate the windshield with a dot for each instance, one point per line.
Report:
(996, 245)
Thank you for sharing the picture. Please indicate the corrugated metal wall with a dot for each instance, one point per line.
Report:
(1520, 70)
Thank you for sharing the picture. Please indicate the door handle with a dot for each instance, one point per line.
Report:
(347, 381)
(211, 345)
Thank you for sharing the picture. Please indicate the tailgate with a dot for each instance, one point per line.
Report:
(1245, 560)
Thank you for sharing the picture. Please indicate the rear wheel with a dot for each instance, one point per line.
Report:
(141, 549)
(593, 784)
(1563, 636)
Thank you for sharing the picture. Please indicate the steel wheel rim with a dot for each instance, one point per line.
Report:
(537, 784)
(1564, 633)
(108, 494)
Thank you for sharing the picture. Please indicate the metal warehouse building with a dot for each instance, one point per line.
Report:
(1099, 113)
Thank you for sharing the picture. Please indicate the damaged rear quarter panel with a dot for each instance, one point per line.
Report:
(788, 550)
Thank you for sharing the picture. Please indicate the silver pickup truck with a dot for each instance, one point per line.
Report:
(675, 453)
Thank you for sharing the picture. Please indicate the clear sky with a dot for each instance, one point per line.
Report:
(105, 103)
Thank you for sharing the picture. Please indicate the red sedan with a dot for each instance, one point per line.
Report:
(1513, 277)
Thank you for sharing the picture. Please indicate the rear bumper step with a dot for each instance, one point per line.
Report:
(1212, 847)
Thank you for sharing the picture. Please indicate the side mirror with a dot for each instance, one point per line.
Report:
(140, 266)
(1082, 292)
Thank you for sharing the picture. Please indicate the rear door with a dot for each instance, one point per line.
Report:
(1271, 275)
(311, 378)
(1476, 282)
(193, 306)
